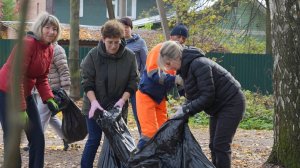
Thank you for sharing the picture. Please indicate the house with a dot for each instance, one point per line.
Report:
(246, 18)
(91, 12)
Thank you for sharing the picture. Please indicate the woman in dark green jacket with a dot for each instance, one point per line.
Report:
(109, 77)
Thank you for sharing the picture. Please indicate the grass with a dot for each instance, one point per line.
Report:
(258, 114)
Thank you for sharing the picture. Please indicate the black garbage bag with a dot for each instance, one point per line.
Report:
(121, 143)
(73, 122)
(61, 98)
(172, 146)
(108, 159)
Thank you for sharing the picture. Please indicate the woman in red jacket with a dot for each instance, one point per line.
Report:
(38, 52)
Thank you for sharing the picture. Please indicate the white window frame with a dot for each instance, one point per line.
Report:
(116, 9)
(81, 8)
(133, 9)
(115, 5)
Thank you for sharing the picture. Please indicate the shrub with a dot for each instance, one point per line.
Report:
(258, 114)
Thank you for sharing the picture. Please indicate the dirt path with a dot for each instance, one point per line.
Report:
(250, 149)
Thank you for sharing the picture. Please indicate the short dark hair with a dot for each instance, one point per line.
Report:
(126, 21)
(112, 29)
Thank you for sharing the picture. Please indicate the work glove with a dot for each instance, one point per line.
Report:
(120, 103)
(179, 113)
(178, 80)
(94, 106)
(23, 118)
(53, 106)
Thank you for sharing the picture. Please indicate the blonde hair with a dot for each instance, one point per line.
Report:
(112, 29)
(42, 20)
(170, 50)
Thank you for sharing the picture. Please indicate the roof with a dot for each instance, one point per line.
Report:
(86, 33)
(152, 19)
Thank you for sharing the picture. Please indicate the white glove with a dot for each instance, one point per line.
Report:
(179, 80)
(179, 113)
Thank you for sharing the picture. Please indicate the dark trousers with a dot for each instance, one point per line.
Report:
(222, 128)
(33, 132)
(94, 138)
(133, 104)
(92, 143)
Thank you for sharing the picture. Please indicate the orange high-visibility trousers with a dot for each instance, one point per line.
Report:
(150, 114)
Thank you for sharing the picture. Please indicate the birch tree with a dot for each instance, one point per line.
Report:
(285, 24)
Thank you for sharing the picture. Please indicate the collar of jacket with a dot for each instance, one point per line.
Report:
(30, 34)
(133, 38)
(188, 55)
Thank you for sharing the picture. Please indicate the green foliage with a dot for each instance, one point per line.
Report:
(249, 45)
(205, 25)
(259, 111)
(258, 115)
(9, 10)
(148, 26)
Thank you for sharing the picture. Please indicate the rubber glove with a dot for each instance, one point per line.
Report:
(23, 117)
(120, 103)
(179, 80)
(94, 105)
(53, 106)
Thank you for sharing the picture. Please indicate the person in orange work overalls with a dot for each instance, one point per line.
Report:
(153, 88)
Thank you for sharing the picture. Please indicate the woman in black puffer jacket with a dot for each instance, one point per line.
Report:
(210, 88)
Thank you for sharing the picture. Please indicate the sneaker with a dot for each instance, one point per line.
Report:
(66, 145)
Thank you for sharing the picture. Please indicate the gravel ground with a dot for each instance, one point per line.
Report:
(250, 148)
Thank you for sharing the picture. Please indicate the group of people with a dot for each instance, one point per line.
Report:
(118, 71)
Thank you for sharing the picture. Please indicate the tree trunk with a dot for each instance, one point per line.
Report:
(285, 22)
(268, 29)
(74, 49)
(163, 18)
(110, 9)
(12, 147)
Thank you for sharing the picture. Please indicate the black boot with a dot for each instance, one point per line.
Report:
(66, 145)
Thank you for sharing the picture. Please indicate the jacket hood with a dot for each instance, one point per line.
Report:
(188, 55)
(103, 53)
(134, 38)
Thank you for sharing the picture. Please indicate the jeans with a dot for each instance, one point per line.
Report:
(133, 104)
(34, 132)
(92, 144)
(222, 128)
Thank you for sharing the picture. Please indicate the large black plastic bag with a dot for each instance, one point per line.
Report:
(108, 159)
(73, 122)
(118, 143)
(173, 146)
